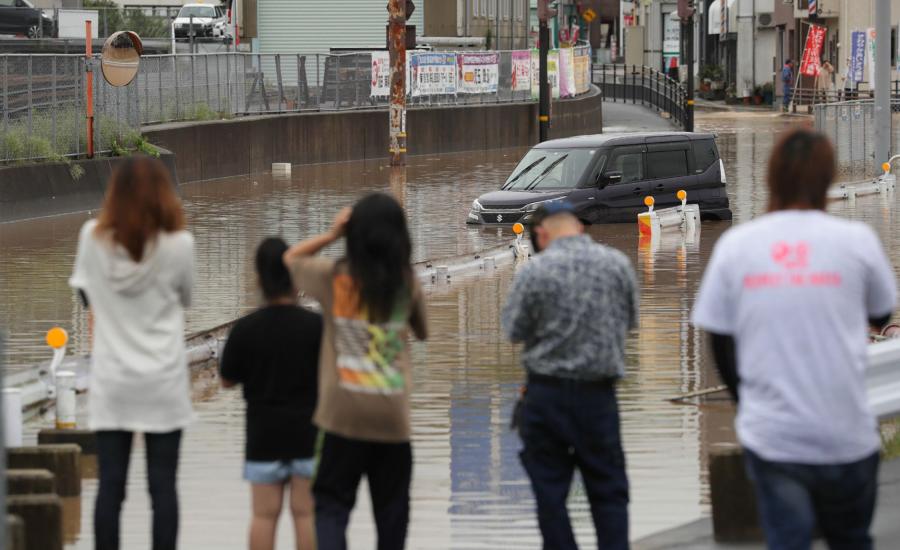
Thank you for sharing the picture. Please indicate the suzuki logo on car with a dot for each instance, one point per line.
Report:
(499, 217)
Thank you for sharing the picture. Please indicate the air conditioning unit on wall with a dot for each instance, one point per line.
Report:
(765, 20)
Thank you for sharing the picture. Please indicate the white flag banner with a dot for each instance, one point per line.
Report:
(381, 74)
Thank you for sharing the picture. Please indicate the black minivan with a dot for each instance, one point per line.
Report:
(606, 177)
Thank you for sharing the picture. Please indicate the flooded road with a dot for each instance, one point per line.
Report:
(469, 491)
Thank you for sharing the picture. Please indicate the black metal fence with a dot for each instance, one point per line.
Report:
(638, 84)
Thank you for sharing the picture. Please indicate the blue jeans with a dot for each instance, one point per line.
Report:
(795, 498)
(113, 456)
(566, 424)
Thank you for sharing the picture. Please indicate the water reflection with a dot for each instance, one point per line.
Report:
(469, 490)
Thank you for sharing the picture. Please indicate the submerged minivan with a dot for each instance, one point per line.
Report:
(606, 177)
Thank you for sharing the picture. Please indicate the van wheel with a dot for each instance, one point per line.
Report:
(34, 31)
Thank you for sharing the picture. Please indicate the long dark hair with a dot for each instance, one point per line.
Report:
(140, 202)
(274, 278)
(801, 169)
(378, 253)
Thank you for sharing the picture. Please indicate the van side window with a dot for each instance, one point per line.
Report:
(629, 163)
(667, 164)
(705, 155)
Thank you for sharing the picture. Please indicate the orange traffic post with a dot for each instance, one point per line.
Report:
(89, 88)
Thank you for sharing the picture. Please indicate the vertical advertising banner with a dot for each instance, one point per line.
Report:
(857, 56)
(552, 73)
(432, 74)
(521, 71)
(479, 73)
(381, 74)
(809, 64)
(582, 73)
(566, 72)
(671, 44)
(870, 55)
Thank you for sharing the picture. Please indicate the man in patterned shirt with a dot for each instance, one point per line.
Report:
(572, 307)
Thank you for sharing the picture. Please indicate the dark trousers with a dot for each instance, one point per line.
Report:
(795, 498)
(113, 455)
(569, 424)
(342, 463)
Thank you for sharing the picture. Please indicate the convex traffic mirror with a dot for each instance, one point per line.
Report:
(121, 57)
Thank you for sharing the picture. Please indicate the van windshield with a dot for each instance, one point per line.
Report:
(550, 169)
(197, 11)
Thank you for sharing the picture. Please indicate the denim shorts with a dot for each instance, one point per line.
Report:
(278, 471)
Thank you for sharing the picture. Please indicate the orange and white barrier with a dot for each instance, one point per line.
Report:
(683, 218)
(881, 185)
(63, 381)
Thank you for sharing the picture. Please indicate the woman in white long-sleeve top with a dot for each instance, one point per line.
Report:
(134, 269)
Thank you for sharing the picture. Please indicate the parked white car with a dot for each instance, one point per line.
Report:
(205, 17)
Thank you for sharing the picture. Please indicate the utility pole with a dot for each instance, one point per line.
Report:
(397, 14)
(882, 113)
(686, 14)
(545, 13)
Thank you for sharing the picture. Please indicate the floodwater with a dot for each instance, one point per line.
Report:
(469, 490)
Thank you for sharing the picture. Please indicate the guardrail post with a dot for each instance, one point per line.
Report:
(177, 92)
(53, 110)
(5, 94)
(30, 100)
(206, 70)
(633, 95)
(193, 87)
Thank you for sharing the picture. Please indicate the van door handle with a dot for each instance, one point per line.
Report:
(660, 187)
(638, 191)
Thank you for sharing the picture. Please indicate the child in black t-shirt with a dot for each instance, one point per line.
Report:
(274, 353)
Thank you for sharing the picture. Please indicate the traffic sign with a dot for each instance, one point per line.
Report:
(589, 15)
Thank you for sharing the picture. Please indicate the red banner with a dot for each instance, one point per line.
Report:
(809, 65)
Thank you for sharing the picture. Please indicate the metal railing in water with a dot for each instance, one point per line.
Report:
(642, 85)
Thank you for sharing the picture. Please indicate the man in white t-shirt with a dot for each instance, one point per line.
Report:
(789, 299)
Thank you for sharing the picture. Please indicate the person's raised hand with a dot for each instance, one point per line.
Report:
(339, 225)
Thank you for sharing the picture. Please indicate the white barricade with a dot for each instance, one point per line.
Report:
(883, 184)
(883, 378)
(684, 218)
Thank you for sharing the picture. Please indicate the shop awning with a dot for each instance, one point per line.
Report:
(715, 17)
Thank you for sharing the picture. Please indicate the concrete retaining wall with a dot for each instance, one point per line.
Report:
(248, 145)
(37, 190)
(218, 149)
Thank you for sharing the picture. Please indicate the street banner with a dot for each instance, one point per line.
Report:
(553, 72)
(809, 64)
(432, 73)
(857, 56)
(567, 87)
(521, 70)
(381, 74)
(582, 73)
(479, 73)
(671, 43)
(870, 55)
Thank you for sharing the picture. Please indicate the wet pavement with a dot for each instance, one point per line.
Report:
(469, 490)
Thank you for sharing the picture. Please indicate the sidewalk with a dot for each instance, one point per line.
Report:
(698, 535)
(713, 108)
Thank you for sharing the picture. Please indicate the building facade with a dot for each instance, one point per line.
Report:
(494, 24)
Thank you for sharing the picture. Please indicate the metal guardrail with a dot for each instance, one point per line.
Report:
(42, 97)
(851, 127)
(643, 85)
